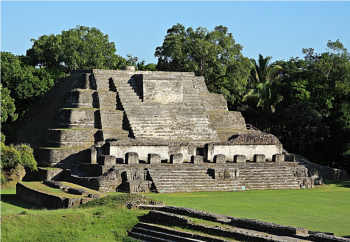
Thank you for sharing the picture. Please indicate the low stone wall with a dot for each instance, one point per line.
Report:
(43, 174)
(266, 226)
(168, 218)
(107, 182)
(322, 171)
(60, 157)
(192, 213)
(248, 150)
(46, 200)
(237, 222)
(179, 220)
(322, 237)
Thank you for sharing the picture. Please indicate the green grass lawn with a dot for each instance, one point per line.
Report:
(325, 209)
(105, 220)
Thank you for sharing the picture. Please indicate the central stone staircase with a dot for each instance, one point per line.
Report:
(184, 121)
(182, 179)
(251, 176)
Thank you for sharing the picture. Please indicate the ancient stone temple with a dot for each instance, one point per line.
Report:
(141, 131)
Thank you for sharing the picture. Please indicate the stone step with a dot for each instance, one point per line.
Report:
(214, 186)
(154, 232)
(147, 238)
(161, 115)
(182, 235)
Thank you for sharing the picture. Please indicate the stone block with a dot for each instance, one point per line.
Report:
(131, 158)
(197, 159)
(239, 158)
(77, 191)
(290, 158)
(220, 158)
(106, 160)
(93, 155)
(138, 186)
(278, 158)
(176, 158)
(259, 158)
(154, 159)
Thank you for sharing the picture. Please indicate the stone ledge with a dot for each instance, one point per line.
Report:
(237, 222)
(46, 200)
(235, 233)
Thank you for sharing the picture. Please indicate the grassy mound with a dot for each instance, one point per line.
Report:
(104, 219)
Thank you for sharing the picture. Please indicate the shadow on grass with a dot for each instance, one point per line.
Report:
(338, 183)
(15, 201)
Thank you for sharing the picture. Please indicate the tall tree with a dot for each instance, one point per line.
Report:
(264, 94)
(318, 87)
(78, 48)
(8, 107)
(26, 83)
(212, 54)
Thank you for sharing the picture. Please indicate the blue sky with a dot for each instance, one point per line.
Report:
(277, 29)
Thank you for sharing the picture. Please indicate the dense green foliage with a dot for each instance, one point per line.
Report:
(78, 48)
(212, 54)
(26, 83)
(20, 154)
(313, 118)
(263, 89)
(8, 107)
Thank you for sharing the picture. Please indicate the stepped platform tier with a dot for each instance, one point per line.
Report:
(194, 177)
(160, 131)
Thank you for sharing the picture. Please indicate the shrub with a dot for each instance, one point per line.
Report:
(10, 157)
(27, 157)
(19, 154)
(3, 179)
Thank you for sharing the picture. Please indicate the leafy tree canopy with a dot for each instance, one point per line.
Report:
(212, 54)
(7, 105)
(318, 85)
(19, 154)
(264, 94)
(77, 48)
(26, 83)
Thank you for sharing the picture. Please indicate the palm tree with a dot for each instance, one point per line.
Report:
(264, 96)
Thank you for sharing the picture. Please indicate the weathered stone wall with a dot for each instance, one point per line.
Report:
(48, 201)
(170, 214)
(198, 84)
(71, 137)
(107, 182)
(72, 118)
(82, 98)
(120, 151)
(162, 89)
(213, 101)
(230, 150)
(60, 157)
(322, 237)
(225, 120)
(322, 171)
(43, 174)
